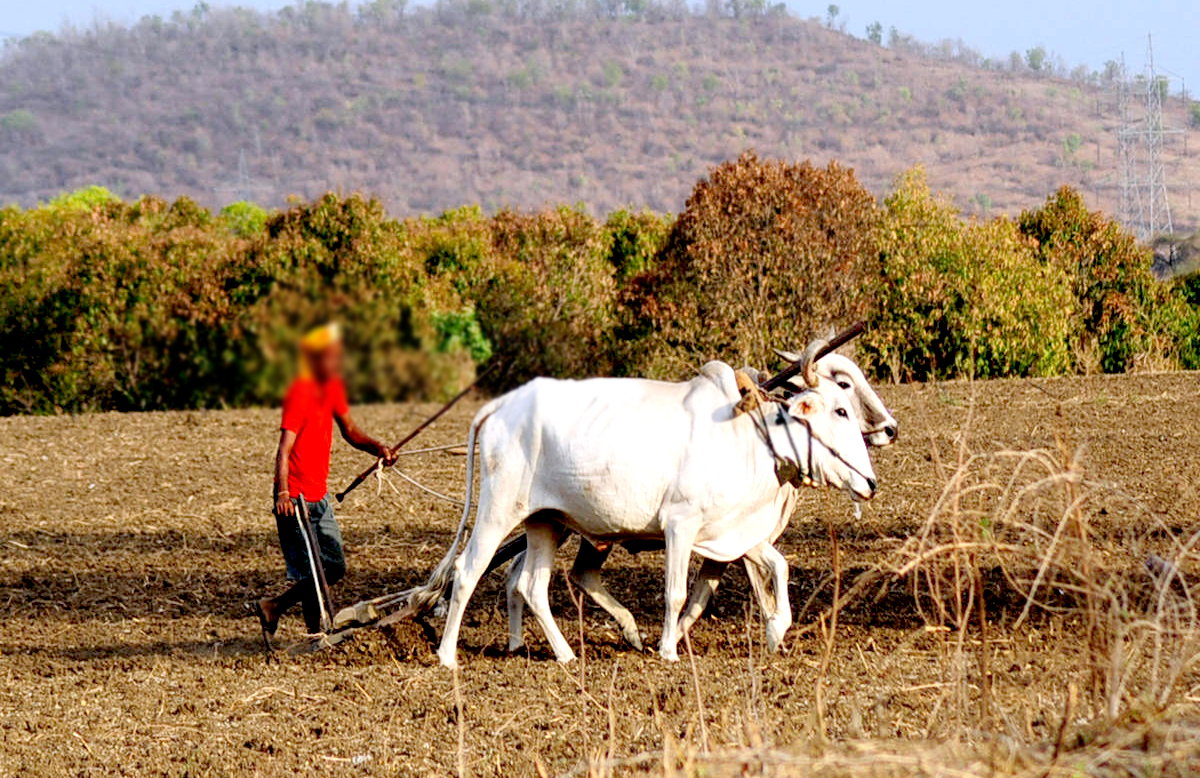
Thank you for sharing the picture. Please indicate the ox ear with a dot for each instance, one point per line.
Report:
(808, 404)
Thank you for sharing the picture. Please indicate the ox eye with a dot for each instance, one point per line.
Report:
(842, 412)
(844, 384)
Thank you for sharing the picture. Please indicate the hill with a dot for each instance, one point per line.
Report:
(469, 102)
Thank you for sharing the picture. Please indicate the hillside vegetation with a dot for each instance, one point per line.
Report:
(507, 104)
(149, 304)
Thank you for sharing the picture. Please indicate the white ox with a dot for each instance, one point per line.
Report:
(619, 458)
(878, 428)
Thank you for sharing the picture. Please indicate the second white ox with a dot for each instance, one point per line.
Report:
(619, 458)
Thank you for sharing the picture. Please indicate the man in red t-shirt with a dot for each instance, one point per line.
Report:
(312, 404)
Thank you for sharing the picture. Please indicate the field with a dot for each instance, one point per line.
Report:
(129, 543)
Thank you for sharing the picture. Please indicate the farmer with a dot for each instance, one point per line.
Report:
(315, 400)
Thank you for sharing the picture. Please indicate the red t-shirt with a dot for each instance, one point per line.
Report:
(308, 409)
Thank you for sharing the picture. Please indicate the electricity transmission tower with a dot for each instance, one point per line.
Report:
(1145, 206)
(242, 187)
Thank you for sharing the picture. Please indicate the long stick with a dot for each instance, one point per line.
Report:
(792, 370)
(320, 585)
(364, 475)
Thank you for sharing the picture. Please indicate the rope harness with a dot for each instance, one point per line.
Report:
(785, 469)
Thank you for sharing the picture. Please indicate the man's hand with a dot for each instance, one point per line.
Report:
(284, 507)
(362, 441)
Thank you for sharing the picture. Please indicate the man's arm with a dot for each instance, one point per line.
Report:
(283, 501)
(361, 440)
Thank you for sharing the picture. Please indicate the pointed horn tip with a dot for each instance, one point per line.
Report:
(810, 367)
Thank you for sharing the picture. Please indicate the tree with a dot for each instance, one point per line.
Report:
(959, 298)
(766, 254)
(831, 15)
(875, 33)
(1115, 293)
(1035, 58)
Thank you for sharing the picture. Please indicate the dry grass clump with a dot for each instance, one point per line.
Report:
(1033, 525)
(1021, 536)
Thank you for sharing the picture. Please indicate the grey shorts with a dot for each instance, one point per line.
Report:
(329, 538)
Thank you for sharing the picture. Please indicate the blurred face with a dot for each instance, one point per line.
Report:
(326, 363)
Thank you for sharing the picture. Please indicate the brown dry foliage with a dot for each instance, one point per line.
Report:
(767, 254)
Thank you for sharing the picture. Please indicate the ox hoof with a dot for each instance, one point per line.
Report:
(515, 646)
(670, 655)
(448, 660)
(635, 640)
(775, 633)
(565, 659)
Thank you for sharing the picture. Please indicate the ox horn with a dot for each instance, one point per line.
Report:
(748, 389)
(808, 361)
(839, 340)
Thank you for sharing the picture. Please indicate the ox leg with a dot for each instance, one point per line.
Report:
(780, 617)
(515, 603)
(491, 527)
(757, 571)
(513, 600)
(703, 588)
(534, 581)
(680, 536)
(585, 574)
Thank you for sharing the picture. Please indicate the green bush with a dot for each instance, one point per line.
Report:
(545, 294)
(1182, 319)
(107, 304)
(150, 305)
(1114, 292)
(105, 308)
(344, 259)
(1188, 288)
(460, 330)
(636, 238)
(961, 298)
(246, 219)
(85, 199)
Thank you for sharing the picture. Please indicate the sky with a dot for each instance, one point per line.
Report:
(1080, 31)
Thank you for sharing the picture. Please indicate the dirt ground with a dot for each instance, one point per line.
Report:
(128, 544)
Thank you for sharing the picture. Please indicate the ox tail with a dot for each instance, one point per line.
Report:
(424, 597)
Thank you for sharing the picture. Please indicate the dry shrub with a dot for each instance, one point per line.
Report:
(766, 254)
(1031, 527)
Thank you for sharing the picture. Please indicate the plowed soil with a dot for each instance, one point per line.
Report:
(128, 544)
